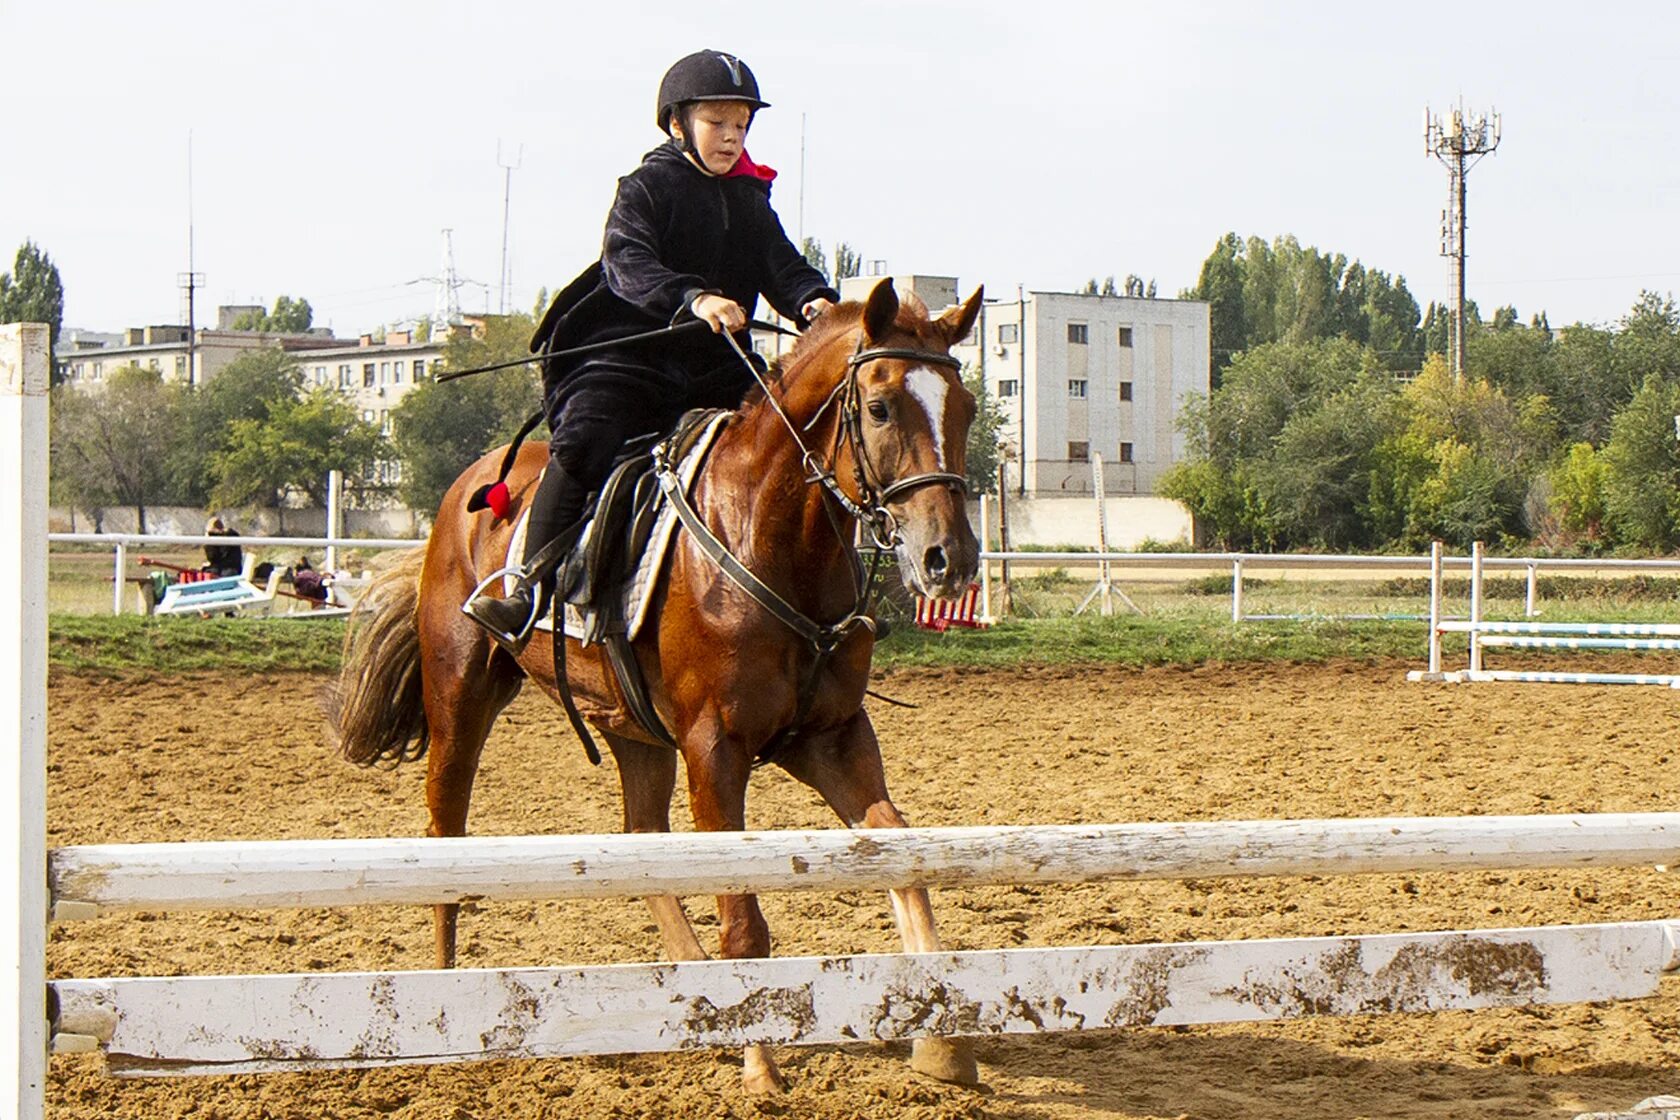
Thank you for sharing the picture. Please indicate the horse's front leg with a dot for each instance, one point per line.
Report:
(718, 767)
(844, 766)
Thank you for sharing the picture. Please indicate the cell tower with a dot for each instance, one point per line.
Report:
(1459, 140)
(447, 310)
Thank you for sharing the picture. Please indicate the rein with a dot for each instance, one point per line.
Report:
(869, 511)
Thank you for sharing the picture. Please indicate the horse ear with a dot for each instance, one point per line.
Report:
(954, 323)
(880, 311)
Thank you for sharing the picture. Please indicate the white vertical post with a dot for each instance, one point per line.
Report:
(335, 483)
(1435, 608)
(1236, 590)
(1530, 592)
(1475, 606)
(986, 565)
(24, 379)
(1103, 570)
(119, 576)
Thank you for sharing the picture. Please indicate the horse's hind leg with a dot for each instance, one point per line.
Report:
(845, 768)
(466, 688)
(648, 776)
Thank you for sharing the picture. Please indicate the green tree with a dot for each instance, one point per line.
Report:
(126, 434)
(848, 262)
(1579, 483)
(32, 292)
(249, 388)
(983, 436)
(293, 450)
(290, 316)
(80, 476)
(1642, 492)
(1221, 285)
(812, 250)
(439, 430)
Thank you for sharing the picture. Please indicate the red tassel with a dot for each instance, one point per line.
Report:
(497, 498)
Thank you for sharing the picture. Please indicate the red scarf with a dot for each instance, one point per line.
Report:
(745, 166)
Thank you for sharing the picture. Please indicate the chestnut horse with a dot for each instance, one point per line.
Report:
(872, 390)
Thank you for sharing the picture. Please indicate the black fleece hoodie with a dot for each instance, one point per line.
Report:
(674, 232)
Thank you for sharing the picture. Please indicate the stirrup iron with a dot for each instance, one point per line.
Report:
(512, 641)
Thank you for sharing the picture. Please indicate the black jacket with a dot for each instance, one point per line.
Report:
(674, 232)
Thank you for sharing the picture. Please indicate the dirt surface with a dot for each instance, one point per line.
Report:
(224, 757)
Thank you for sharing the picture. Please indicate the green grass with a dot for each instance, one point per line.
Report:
(134, 644)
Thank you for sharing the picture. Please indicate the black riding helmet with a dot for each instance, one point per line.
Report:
(706, 76)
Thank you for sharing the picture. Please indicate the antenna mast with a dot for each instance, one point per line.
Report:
(190, 281)
(505, 281)
(1459, 141)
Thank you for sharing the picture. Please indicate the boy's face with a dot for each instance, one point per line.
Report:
(720, 132)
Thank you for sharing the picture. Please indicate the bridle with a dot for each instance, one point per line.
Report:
(868, 511)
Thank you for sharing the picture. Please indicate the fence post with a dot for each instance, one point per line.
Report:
(1236, 590)
(1530, 593)
(1435, 607)
(119, 574)
(335, 484)
(986, 565)
(24, 380)
(1475, 605)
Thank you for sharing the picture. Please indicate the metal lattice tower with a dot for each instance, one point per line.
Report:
(447, 310)
(504, 282)
(1459, 141)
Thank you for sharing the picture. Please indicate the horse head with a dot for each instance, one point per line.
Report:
(909, 419)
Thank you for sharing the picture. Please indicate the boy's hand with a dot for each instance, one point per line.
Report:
(723, 313)
(815, 308)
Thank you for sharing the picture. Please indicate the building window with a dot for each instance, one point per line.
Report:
(367, 375)
(1125, 452)
(1079, 451)
(419, 369)
(384, 421)
(344, 376)
(180, 365)
(152, 364)
(1126, 337)
(1125, 390)
(397, 371)
(98, 370)
(1079, 333)
(367, 416)
(384, 372)
(1009, 332)
(1008, 387)
(1077, 387)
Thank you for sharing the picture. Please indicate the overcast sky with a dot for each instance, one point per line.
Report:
(1038, 143)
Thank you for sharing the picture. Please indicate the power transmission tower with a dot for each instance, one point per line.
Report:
(1459, 141)
(191, 280)
(505, 281)
(447, 310)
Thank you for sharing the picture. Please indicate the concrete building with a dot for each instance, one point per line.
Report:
(373, 375)
(1077, 375)
(88, 358)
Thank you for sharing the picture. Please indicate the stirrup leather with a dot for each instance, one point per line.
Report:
(514, 641)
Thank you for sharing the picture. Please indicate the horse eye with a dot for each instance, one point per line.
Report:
(878, 410)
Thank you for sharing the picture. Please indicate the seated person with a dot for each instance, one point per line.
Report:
(222, 559)
(307, 582)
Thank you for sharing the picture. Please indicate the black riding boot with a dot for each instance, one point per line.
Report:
(556, 511)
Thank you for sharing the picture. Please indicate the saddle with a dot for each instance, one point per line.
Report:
(621, 524)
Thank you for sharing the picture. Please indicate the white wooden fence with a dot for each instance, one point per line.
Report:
(212, 1024)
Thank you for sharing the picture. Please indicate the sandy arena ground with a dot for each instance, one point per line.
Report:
(233, 756)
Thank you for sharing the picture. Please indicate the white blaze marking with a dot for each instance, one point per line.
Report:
(930, 388)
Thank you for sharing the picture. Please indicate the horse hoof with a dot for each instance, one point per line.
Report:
(759, 1074)
(945, 1059)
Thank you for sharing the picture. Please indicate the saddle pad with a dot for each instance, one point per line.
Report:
(638, 590)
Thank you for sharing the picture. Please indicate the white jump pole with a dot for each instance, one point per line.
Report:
(1236, 590)
(986, 565)
(24, 380)
(1435, 607)
(335, 484)
(1475, 605)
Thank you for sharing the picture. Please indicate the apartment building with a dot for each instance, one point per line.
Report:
(1080, 375)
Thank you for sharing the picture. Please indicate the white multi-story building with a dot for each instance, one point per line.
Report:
(372, 375)
(1080, 375)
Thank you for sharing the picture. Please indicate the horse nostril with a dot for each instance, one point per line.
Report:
(934, 563)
